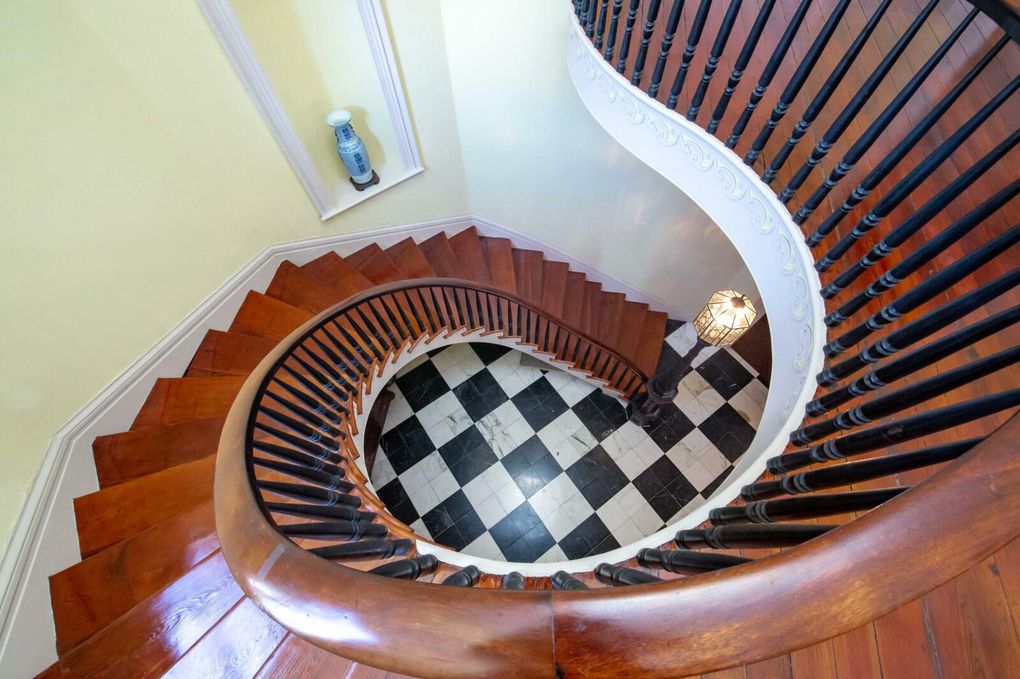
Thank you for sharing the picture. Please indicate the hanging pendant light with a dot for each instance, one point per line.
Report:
(725, 318)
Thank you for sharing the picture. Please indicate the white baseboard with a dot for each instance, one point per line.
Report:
(45, 539)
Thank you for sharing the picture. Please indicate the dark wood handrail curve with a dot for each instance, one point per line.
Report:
(843, 579)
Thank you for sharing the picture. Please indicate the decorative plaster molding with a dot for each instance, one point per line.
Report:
(750, 215)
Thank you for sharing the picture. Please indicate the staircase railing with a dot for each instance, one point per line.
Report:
(919, 270)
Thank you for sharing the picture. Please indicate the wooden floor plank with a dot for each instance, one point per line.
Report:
(295, 658)
(903, 644)
(856, 654)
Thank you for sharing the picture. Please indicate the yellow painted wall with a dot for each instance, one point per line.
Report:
(135, 178)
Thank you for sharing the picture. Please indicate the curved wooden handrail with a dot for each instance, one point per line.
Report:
(833, 584)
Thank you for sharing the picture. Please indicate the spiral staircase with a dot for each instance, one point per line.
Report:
(236, 532)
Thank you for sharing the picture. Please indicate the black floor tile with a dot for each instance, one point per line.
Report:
(665, 505)
(397, 502)
(597, 477)
(467, 455)
(422, 386)
(670, 427)
(470, 526)
(581, 541)
(451, 538)
(480, 394)
(540, 404)
(489, 352)
(406, 444)
(530, 546)
(707, 491)
(654, 480)
(728, 431)
(600, 414)
(538, 475)
(448, 512)
(724, 373)
(513, 526)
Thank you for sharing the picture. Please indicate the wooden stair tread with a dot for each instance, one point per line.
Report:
(300, 289)
(631, 326)
(149, 638)
(297, 658)
(375, 265)
(133, 454)
(554, 287)
(610, 318)
(441, 257)
(528, 269)
(113, 514)
(177, 399)
(237, 646)
(573, 299)
(93, 593)
(337, 274)
(267, 317)
(653, 333)
(468, 248)
(228, 353)
(500, 260)
(590, 309)
(410, 259)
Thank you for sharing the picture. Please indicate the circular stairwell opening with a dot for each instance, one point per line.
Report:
(489, 451)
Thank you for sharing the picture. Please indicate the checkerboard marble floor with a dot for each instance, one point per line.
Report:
(511, 462)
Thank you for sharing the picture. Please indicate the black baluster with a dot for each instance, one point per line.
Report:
(589, 19)
(601, 32)
(564, 580)
(693, 37)
(667, 44)
(825, 92)
(902, 148)
(304, 444)
(837, 476)
(686, 561)
(914, 178)
(298, 491)
(320, 425)
(907, 429)
(923, 327)
(750, 536)
(808, 507)
(408, 569)
(320, 478)
(337, 512)
(334, 530)
(646, 38)
(313, 435)
(329, 400)
(769, 73)
(915, 360)
(924, 254)
(940, 282)
(797, 81)
(611, 38)
(621, 63)
(741, 64)
(305, 459)
(465, 577)
(513, 580)
(618, 575)
(857, 102)
(721, 38)
(907, 397)
(364, 550)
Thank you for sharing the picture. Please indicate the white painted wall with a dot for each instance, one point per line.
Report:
(535, 159)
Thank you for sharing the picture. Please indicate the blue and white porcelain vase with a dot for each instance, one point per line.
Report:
(352, 150)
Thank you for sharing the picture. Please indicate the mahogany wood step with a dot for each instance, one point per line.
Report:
(301, 289)
(441, 257)
(591, 308)
(93, 593)
(500, 260)
(528, 265)
(375, 265)
(554, 287)
(468, 248)
(610, 318)
(573, 299)
(148, 639)
(237, 646)
(337, 274)
(631, 327)
(410, 259)
(177, 399)
(228, 353)
(295, 658)
(650, 345)
(267, 317)
(133, 454)
(113, 514)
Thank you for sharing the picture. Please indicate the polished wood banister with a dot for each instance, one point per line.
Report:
(844, 579)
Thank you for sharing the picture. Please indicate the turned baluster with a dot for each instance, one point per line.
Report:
(667, 44)
(721, 38)
(465, 577)
(646, 38)
(807, 507)
(566, 581)
(513, 580)
(334, 530)
(618, 575)
(741, 64)
(339, 512)
(693, 37)
(365, 550)
(686, 561)
(752, 536)
(297, 491)
(621, 63)
(408, 569)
